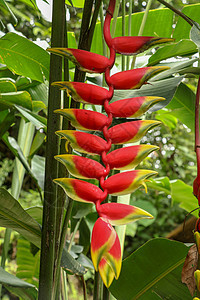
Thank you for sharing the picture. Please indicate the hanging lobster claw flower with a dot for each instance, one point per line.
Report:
(84, 92)
(82, 167)
(129, 157)
(86, 61)
(127, 182)
(130, 132)
(121, 214)
(81, 191)
(84, 119)
(84, 142)
(106, 251)
(133, 107)
(134, 79)
(130, 45)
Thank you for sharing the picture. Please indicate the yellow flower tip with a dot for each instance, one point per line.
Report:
(145, 187)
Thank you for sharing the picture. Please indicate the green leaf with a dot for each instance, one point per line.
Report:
(6, 6)
(183, 105)
(25, 294)
(36, 212)
(76, 3)
(167, 118)
(37, 143)
(161, 184)
(23, 57)
(27, 264)
(182, 29)
(12, 280)
(151, 271)
(182, 48)
(183, 194)
(13, 216)
(7, 85)
(68, 263)
(22, 99)
(7, 122)
(195, 34)
(38, 169)
(37, 120)
(164, 88)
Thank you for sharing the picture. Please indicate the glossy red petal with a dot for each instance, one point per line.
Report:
(81, 190)
(127, 182)
(82, 167)
(129, 157)
(121, 214)
(130, 45)
(84, 92)
(133, 107)
(130, 132)
(85, 60)
(134, 79)
(84, 142)
(84, 119)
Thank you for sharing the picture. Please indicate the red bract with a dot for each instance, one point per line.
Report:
(128, 157)
(134, 79)
(81, 190)
(127, 182)
(84, 92)
(85, 60)
(121, 214)
(84, 142)
(133, 107)
(82, 167)
(131, 131)
(84, 119)
(130, 45)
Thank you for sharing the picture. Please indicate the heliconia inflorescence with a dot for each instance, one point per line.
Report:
(105, 245)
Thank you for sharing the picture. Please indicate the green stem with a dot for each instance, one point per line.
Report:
(73, 234)
(47, 260)
(84, 288)
(123, 29)
(144, 19)
(97, 286)
(86, 34)
(130, 9)
(115, 15)
(106, 293)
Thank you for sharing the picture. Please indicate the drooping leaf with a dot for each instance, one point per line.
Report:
(70, 264)
(9, 279)
(13, 216)
(161, 261)
(183, 105)
(182, 48)
(23, 57)
(195, 34)
(22, 98)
